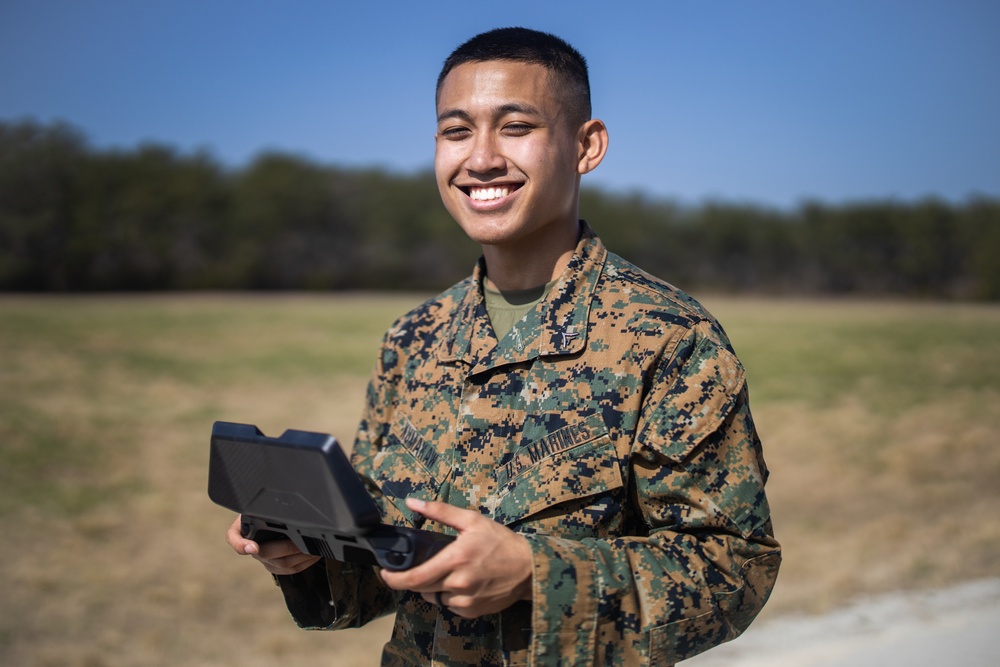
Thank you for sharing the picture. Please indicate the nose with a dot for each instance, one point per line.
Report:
(485, 155)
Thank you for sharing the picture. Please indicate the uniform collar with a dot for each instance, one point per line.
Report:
(557, 326)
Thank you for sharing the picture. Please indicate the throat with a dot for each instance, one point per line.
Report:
(508, 307)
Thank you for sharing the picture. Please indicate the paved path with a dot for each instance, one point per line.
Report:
(956, 626)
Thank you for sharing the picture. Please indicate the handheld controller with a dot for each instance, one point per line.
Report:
(301, 486)
(389, 547)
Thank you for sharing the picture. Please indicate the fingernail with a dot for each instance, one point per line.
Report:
(416, 503)
(250, 549)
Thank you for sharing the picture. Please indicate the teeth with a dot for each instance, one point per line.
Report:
(486, 194)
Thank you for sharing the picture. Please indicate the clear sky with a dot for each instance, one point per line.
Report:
(762, 101)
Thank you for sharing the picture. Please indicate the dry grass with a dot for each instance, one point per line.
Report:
(879, 422)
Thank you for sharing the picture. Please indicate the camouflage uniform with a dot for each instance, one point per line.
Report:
(611, 427)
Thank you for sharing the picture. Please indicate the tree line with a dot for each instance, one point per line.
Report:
(74, 218)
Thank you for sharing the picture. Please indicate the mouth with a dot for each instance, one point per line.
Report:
(491, 193)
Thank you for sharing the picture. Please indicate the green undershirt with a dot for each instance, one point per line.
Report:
(506, 308)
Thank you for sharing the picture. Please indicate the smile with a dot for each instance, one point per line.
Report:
(490, 194)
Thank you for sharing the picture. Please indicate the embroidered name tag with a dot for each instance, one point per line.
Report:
(421, 450)
(556, 442)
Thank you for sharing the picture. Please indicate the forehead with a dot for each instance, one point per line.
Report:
(495, 83)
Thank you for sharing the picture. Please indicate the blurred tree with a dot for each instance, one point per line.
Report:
(145, 220)
(39, 172)
(979, 225)
(289, 228)
(72, 218)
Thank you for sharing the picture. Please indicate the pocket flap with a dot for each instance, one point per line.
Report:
(399, 475)
(585, 469)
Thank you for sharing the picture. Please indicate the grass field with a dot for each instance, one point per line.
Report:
(880, 425)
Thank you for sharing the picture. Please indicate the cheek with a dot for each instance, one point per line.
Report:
(448, 195)
(527, 156)
(442, 176)
(543, 160)
(447, 160)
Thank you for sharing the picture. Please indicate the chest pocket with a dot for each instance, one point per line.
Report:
(400, 471)
(575, 491)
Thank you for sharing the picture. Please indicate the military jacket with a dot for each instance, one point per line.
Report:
(610, 426)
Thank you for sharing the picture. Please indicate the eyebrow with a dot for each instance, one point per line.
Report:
(498, 112)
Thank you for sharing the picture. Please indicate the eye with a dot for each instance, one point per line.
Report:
(455, 133)
(517, 129)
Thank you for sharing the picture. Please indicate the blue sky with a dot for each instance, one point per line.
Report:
(762, 101)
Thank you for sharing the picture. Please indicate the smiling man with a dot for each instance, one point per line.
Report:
(582, 427)
(509, 158)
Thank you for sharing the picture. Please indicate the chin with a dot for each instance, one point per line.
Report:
(486, 229)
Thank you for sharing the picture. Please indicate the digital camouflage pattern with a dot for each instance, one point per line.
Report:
(611, 427)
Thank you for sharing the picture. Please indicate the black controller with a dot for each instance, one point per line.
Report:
(301, 487)
(389, 547)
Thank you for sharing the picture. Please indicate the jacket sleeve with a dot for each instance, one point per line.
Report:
(705, 560)
(332, 595)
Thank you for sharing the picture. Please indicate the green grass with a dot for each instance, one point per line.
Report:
(78, 375)
(890, 356)
(879, 422)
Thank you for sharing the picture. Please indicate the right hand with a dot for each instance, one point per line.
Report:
(277, 557)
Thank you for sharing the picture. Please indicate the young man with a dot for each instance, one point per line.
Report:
(581, 426)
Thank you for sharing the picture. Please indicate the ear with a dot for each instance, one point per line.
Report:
(593, 145)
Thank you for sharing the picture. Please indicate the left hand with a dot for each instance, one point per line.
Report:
(485, 570)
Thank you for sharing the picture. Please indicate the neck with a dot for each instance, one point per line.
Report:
(533, 262)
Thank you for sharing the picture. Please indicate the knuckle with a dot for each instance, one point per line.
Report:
(461, 583)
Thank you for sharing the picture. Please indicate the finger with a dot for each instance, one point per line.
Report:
(275, 549)
(449, 515)
(289, 564)
(240, 544)
(460, 605)
(435, 598)
(428, 577)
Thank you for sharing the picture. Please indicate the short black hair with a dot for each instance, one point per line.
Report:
(529, 46)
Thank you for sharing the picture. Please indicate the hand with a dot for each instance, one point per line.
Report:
(485, 570)
(277, 557)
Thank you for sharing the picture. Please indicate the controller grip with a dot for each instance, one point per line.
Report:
(427, 544)
(252, 530)
(400, 548)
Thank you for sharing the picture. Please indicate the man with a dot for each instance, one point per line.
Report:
(581, 426)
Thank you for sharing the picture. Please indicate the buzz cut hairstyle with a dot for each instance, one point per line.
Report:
(532, 47)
